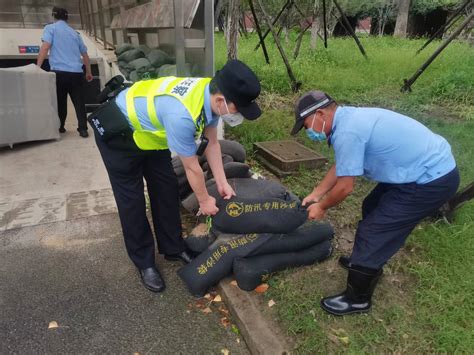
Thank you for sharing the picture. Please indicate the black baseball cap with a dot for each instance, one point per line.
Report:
(307, 105)
(239, 84)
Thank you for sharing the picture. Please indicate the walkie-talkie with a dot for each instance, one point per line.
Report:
(202, 146)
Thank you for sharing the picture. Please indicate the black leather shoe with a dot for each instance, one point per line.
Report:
(62, 130)
(184, 256)
(152, 279)
(358, 294)
(84, 133)
(345, 261)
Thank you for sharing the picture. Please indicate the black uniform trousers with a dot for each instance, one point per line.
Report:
(391, 211)
(72, 84)
(126, 169)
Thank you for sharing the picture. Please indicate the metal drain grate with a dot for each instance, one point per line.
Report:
(285, 157)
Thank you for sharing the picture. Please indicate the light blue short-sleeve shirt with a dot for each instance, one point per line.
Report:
(388, 147)
(175, 118)
(66, 49)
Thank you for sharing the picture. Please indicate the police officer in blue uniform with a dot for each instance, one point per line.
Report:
(415, 171)
(161, 116)
(66, 48)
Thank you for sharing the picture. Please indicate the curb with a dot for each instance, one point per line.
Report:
(258, 333)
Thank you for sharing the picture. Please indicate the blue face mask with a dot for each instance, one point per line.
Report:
(316, 136)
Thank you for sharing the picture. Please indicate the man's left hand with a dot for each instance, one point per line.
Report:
(226, 191)
(315, 212)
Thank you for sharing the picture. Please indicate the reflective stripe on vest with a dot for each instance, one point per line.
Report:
(189, 91)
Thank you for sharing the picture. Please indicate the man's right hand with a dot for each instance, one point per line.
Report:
(208, 207)
(312, 197)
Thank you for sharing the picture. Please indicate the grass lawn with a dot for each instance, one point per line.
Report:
(424, 302)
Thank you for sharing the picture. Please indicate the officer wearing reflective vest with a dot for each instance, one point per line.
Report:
(162, 116)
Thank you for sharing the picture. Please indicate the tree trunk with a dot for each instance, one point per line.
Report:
(232, 28)
(402, 18)
(314, 26)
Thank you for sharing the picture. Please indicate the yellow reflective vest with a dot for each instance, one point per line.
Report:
(189, 91)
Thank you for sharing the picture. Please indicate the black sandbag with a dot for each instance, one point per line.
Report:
(199, 239)
(226, 158)
(249, 271)
(258, 215)
(308, 234)
(209, 267)
(130, 55)
(123, 48)
(243, 188)
(234, 170)
(176, 162)
(234, 149)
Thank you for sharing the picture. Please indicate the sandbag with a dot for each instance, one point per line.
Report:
(225, 159)
(209, 267)
(249, 271)
(134, 76)
(234, 149)
(170, 70)
(139, 63)
(234, 170)
(158, 58)
(144, 48)
(123, 48)
(258, 215)
(199, 238)
(243, 188)
(130, 55)
(303, 237)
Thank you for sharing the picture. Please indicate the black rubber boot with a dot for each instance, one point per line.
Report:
(357, 297)
(345, 261)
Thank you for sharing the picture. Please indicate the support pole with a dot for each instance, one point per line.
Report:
(349, 28)
(409, 82)
(122, 22)
(451, 21)
(101, 22)
(295, 85)
(114, 33)
(299, 40)
(274, 22)
(259, 32)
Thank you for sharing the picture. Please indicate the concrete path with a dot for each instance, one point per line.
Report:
(62, 259)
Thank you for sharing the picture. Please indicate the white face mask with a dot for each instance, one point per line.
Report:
(232, 119)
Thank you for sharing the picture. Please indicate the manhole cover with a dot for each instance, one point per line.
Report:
(285, 157)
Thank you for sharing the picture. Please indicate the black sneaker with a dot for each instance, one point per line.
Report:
(84, 134)
(62, 130)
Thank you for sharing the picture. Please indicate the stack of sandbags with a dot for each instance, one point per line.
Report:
(260, 231)
(141, 62)
(233, 158)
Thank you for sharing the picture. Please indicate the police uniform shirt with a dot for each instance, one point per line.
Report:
(66, 47)
(175, 118)
(387, 147)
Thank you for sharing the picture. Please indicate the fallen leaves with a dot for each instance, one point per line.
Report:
(233, 283)
(339, 337)
(206, 310)
(262, 288)
(225, 351)
(271, 303)
(53, 325)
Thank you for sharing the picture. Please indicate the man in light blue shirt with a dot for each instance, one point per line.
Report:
(416, 174)
(65, 48)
